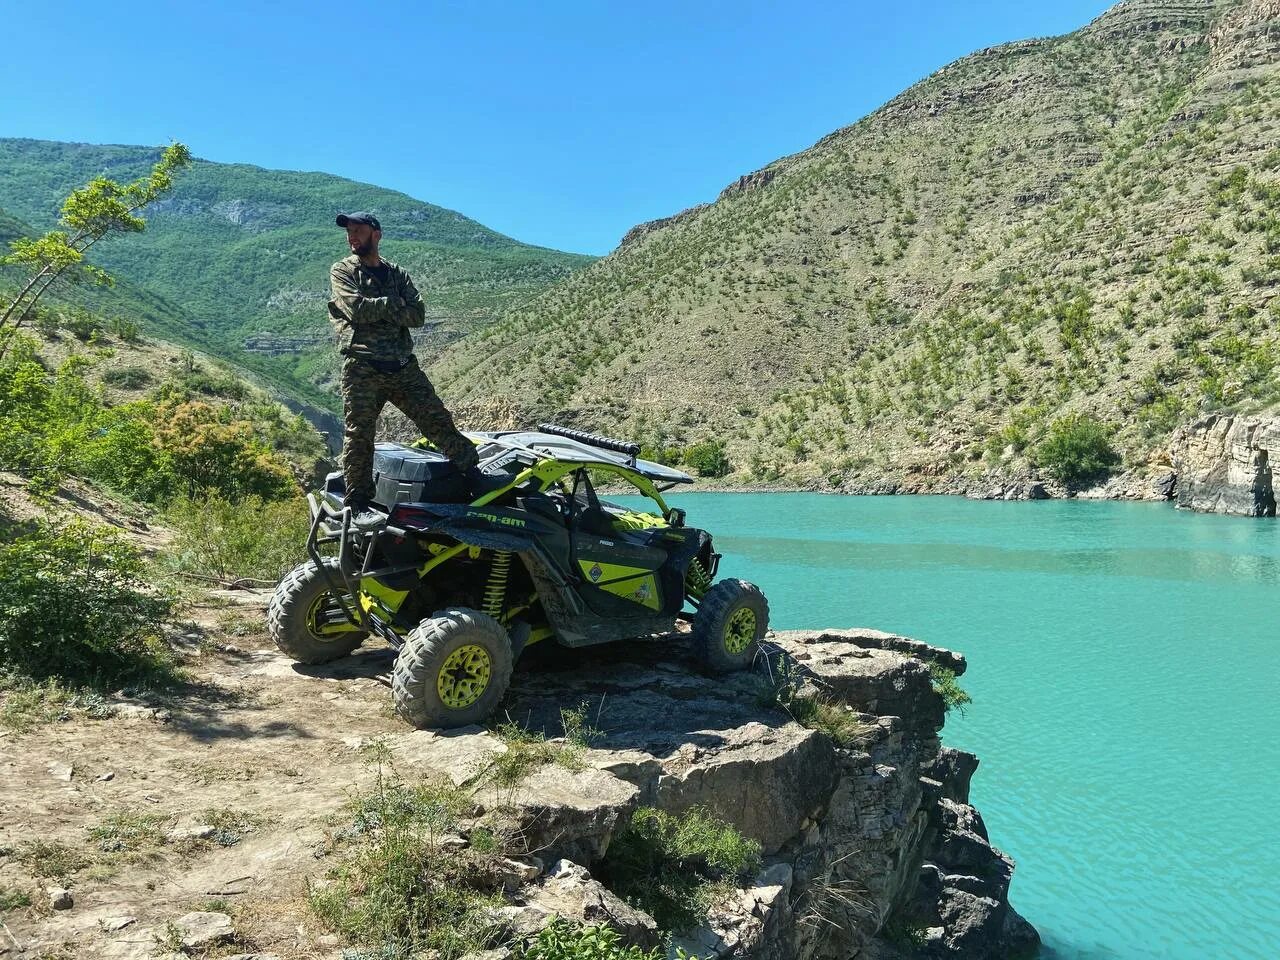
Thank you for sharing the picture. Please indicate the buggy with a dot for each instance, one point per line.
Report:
(460, 586)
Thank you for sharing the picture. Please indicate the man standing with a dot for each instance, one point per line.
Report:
(374, 305)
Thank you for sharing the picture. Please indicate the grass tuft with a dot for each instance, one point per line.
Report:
(674, 867)
(29, 703)
(398, 889)
(527, 750)
(12, 898)
(51, 859)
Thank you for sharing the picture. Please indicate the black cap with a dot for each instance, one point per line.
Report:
(369, 218)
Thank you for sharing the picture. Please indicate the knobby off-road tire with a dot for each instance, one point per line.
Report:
(731, 621)
(453, 669)
(292, 616)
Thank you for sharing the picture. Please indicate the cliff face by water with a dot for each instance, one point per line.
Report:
(1224, 464)
(870, 850)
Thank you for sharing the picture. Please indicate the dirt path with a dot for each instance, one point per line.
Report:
(258, 748)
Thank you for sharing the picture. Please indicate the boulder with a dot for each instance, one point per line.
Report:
(851, 834)
(60, 898)
(572, 814)
(203, 929)
(568, 891)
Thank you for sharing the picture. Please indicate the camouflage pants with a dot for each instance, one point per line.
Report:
(365, 391)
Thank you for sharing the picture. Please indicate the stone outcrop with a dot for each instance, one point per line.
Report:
(1224, 464)
(861, 840)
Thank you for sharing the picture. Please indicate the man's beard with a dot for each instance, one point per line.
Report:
(363, 249)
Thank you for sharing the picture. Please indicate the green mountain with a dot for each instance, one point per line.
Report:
(124, 299)
(244, 253)
(1081, 223)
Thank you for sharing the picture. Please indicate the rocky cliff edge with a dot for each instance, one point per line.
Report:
(870, 850)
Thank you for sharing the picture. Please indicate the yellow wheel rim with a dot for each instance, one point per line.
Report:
(464, 676)
(740, 631)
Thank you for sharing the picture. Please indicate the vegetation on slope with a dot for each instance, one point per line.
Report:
(246, 251)
(1077, 225)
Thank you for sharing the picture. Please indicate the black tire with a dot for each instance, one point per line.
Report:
(462, 642)
(299, 599)
(724, 636)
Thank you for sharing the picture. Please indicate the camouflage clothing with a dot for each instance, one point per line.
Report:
(373, 317)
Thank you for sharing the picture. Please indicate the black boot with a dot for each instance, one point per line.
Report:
(364, 516)
(479, 483)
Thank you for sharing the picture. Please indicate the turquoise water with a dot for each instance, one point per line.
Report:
(1123, 660)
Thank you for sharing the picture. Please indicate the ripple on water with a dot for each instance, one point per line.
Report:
(1123, 663)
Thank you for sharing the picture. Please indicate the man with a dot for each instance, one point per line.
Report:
(374, 306)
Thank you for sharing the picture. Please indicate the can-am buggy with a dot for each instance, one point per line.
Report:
(459, 587)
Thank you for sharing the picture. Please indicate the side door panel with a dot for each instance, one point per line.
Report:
(619, 579)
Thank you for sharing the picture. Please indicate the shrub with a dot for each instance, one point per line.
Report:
(81, 325)
(398, 889)
(225, 539)
(945, 685)
(561, 940)
(707, 459)
(1077, 448)
(56, 425)
(672, 867)
(211, 451)
(123, 329)
(73, 605)
(53, 425)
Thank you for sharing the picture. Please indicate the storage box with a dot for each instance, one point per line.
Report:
(407, 475)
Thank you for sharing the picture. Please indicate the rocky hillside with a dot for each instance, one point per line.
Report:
(244, 253)
(1081, 223)
(211, 821)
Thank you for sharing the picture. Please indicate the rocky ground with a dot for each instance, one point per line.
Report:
(190, 825)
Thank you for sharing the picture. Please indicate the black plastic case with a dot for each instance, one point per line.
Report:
(406, 475)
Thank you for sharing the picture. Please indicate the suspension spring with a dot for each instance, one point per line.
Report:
(696, 581)
(495, 590)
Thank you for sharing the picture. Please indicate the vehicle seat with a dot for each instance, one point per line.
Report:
(595, 520)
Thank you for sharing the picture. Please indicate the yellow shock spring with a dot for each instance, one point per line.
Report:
(696, 580)
(495, 590)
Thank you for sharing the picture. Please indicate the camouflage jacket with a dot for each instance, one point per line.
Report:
(372, 317)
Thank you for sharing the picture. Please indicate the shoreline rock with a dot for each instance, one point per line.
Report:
(1225, 464)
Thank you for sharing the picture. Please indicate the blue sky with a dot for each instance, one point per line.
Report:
(558, 123)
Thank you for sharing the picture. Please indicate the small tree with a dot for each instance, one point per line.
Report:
(1077, 448)
(88, 214)
(707, 459)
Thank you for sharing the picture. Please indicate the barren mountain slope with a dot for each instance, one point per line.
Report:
(1083, 222)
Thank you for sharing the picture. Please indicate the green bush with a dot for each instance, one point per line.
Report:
(229, 539)
(561, 940)
(946, 685)
(74, 606)
(1076, 449)
(55, 424)
(398, 889)
(213, 451)
(707, 459)
(672, 867)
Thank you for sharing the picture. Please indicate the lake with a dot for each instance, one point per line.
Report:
(1123, 664)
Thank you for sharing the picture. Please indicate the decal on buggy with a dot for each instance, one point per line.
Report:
(636, 584)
